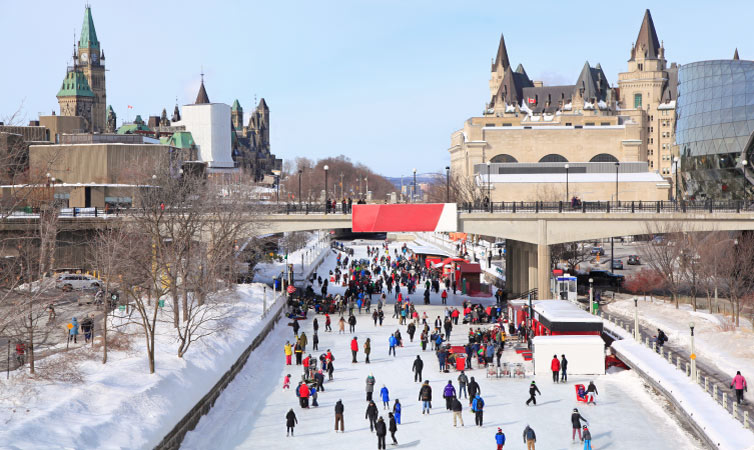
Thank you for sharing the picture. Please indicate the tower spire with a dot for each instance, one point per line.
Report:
(647, 45)
(201, 97)
(735, 55)
(502, 55)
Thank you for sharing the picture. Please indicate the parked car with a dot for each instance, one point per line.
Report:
(634, 260)
(598, 251)
(69, 282)
(617, 264)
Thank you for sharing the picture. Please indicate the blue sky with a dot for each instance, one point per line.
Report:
(383, 82)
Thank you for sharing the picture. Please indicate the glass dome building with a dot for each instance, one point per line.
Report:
(714, 126)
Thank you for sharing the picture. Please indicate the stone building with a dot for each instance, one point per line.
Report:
(251, 143)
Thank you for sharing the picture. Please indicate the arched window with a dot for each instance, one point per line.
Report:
(553, 157)
(503, 158)
(604, 157)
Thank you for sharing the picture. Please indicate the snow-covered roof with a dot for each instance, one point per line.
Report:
(667, 105)
(645, 177)
(588, 105)
(524, 108)
(601, 104)
(510, 108)
(568, 106)
(563, 311)
(569, 339)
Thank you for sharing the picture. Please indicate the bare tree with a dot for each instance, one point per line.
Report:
(736, 270)
(572, 253)
(664, 256)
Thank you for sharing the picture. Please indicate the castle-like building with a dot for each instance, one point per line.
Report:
(588, 121)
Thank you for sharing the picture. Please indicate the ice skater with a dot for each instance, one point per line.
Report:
(290, 422)
(533, 389)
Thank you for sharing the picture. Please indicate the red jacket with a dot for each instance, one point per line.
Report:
(555, 365)
(303, 391)
(354, 345)
(444, 294)
(454, 313)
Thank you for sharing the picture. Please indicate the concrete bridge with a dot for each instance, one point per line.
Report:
(530, 231)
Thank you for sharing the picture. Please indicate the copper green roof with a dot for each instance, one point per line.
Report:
(88, 33)
(236, 106)
(131, 128)
(181, 139)
(75, 85)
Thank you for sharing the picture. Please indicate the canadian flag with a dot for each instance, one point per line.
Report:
(130, 107)
(532, 101)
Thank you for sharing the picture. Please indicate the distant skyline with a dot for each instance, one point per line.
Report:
(384, 83)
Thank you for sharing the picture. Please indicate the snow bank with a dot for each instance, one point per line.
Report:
(119, 404)
(719, 426)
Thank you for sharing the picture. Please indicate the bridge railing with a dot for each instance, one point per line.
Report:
(708, 206)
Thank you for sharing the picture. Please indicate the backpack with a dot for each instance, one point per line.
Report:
(529, 433)
(479, 404)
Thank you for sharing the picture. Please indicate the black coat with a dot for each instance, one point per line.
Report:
(474, 389)
(418, 365)
(393, 427)
(371, 411)
(456, 405)
(380, 428)
(576, 420)
(339, 407)
(290, 419)
(425, 393)
(592, 388)
(533, 388)
(564, 364)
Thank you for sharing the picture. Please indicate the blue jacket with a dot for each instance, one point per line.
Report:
(477, 404)
(500, 438)
(397, 408)
(393, 341)
(384, 394)
(75, 329)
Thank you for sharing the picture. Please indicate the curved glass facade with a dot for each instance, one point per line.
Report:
(714, 125)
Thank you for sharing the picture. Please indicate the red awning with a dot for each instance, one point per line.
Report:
(471, 268)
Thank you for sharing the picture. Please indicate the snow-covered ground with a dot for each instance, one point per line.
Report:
(714, 340)
(251, 412)
(266, 272)
(119, 404)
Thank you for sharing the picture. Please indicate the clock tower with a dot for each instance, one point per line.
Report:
(91, 62)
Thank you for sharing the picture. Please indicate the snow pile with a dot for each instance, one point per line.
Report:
(714, 339)
(720, 426)
(119, 404)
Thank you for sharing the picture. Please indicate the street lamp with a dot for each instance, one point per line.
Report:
(366, 188)
(636, 320)
(489, 187)
(693, 355)
(676, 160)
(327, 199)
(617, 164)
(413, 195)
(591, 296)
(447, 184)
(566, 169)
(299, 186)
(743, 171)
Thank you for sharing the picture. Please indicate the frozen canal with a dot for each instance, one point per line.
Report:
(251, 412)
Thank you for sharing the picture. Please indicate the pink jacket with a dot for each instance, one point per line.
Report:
(739, 382)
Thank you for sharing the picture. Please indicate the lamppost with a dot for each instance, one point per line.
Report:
(366, 188)
(692, 357)
(566, 169)
(413, 194)
(327, 199)
(676, 160)
(617, 164)
(299, 186)
(637, 337)
(591, 296)
(447, 184)
(489, 187)
(744, 163)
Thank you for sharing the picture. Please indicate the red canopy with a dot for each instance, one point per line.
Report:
(447, 261)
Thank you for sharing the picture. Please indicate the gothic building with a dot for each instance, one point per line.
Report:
(251, 143)
(83, 91)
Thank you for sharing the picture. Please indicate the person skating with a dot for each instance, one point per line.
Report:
(290, 422)
(381, 430)
(457, 409)
(370, 386)
(339, 416)
(532, 390)
(411, 330)
(563, 369)
(587, 439)
(315, 325)
(328, 323)
(591, 391)
(367, 349)
(287, 382)
(303, 392)
(393, 342)
(739, 384)
(576, 420)
(351, 323)
(397, 411)
(555, 367)
(371, 414)
(425, 396)
(500, 439)
(474, 389)
(417, 368)
(393, 427)
(385, 396)
(319, 378)
(295, 326)
(341, 325)
(463, 380)
(354, 348)
(449, 393)
(477, 405)
(530, 438)
(288, 349)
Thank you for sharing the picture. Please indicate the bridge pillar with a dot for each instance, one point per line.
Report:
(543, 262)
